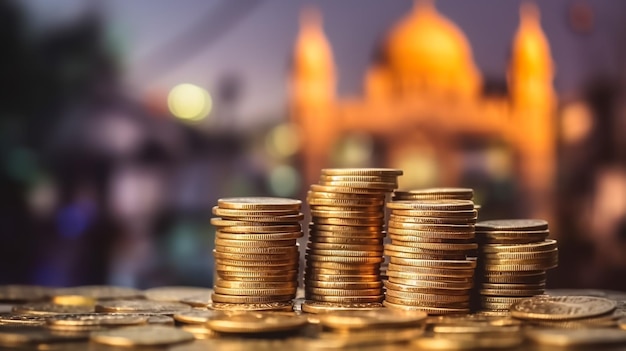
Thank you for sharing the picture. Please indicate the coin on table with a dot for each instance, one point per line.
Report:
(141, 306)
(468, 342)
(19, 336)
(561, 307)
(96, 319)
(196, 316)
(256, 323)
(48, 308)
(100, 292)
(577, 337)
(175, 293)
(22, 319)
(363, 319)
(142, 336)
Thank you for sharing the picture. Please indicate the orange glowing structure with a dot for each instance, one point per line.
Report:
(424, 95)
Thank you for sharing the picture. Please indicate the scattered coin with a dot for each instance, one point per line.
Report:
(175, 293)
(256, 323)
(561, 307)
(141, 306)
(142, 336)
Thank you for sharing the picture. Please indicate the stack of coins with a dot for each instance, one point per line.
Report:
(429, 270)
(256, 254)
(346, 232)
(514, 255)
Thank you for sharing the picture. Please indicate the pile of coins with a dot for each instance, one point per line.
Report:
(256, 254)
(429, 269)
(513, 258)
(346, 232)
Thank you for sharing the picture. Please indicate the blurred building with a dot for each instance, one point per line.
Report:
(426, 109)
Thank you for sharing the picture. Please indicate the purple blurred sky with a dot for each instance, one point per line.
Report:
(160, 49)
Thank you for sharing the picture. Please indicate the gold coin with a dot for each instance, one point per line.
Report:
(261, 229)
(432, 220)
(382, 186)
(324, 307)
(427, 297)
(225, 212)
(445, 264)
(254, 238)
(432, 205)
(377, 198)
(351, 269)
(199, 331)
(343, 292)
(425, 274)
(342, 278)
(456, 228)
(435, 213)
(49, 309)
(281, 250)
(255, 292)
(366, 203)
(196, 316)
(256, 323)
(511, 292)
(419, 235)
(259, 203)
(350, 247)
(253, 307)
(346, 190)
(561, 307)
(422, 247)
(457, 193)
(254, 257)
(314, 234)
(141, 306)
(345, 266)
(496, 286)
(341, 208)
(100, 292)
(427, 255)
(345, 228)
(74, 300)
(142, 336)
(513, 225)
(357, 222)
(371, 319)
(361, 178)
(216, 297)
(387, 172)
(345, 241)
(344, 260)
(267, 264)
(519, 267)
(345, 299)
(542, 246)
(260, 276)
(96, 319)
(201, 301)
(284, 219)
(428, 310)
(592, 338)
(522, 255)
(233, 284)
(346, 214)
(255, 243)
(469, 342)
(464, 305)
(20, 320)
(431, 271)
(345, 253)
(416, 285)
(344, 285)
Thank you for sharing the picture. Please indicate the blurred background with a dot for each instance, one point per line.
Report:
(122, 122)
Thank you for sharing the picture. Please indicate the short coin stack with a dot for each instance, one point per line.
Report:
(256, 254)
(514, 255)
(430, 241)
(346, 232)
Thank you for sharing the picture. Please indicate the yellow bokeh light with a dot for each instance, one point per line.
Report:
(576, 122)
(283, 140)
(189, 102)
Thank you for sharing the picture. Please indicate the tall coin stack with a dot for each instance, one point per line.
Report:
(429, 269)
(514, 255)
(346, 232)
(256, 254)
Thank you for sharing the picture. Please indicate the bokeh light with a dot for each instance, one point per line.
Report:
(283, 141)
(189, 102)
(420, 170)
(354, 150)
(576, 122)
(284, 180)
